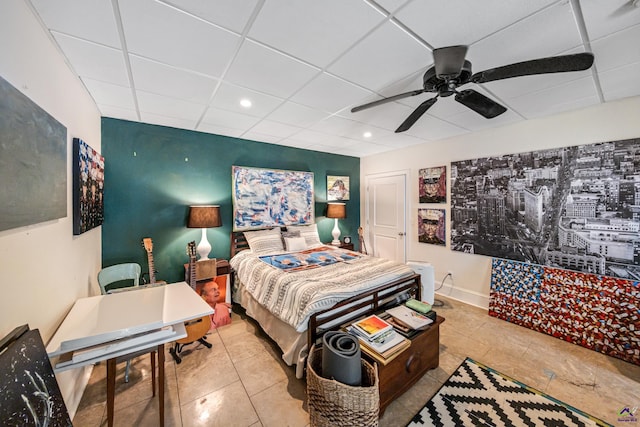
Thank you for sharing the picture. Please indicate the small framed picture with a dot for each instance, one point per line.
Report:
(337, 188)
(346, 240)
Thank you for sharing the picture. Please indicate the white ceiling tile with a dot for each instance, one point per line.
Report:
(603, 17)
(336, 125)
(433, 129)
(543, 34)
(400, 140)
(220, 130)
(176, 122)
(472, 20)
(170, 107)
(231, 14)
(314, 31)
(392, 5)
(268, 71)
(387, 116)
(310, 137)
(118, 112)
(621, 82)
(573, 95)
(618, 49)
(231, 119)
(151, 76)
(296, 115)
(386, 55)
(280, 130)
(91, 20)
(110, 94)
(262, 137)
(295, 143)
(159, 32)
(94, 61)
(228, 97)
(329, 93)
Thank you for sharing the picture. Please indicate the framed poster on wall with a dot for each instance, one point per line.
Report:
(432, 185)
(88, 187)
(264, 198)
(337, 188)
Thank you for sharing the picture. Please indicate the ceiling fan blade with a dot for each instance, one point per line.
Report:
(449, 60)
(385, 100)
(553, 64)
(480, 103)
(417, 113)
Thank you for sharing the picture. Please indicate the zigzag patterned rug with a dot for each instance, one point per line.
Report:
(476, 395)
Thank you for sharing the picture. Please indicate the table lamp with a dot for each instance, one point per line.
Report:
(204, 217)
(336, 211)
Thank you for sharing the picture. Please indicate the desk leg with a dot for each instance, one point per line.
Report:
(161, 382)
(111, 389)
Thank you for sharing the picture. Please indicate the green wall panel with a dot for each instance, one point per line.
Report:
(153, 174)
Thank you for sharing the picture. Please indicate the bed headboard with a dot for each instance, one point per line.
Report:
(238, 242)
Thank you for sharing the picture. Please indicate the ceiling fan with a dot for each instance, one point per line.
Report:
(451, 70)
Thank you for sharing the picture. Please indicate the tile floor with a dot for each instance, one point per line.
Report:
(242, 380)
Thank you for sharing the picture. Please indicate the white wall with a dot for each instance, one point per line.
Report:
(471, 273)
(43, 267)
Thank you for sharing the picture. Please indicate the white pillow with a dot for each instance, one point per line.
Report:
(264, 241)
(295, 244)
(309, 232)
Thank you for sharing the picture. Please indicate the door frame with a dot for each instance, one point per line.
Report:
(406, 174)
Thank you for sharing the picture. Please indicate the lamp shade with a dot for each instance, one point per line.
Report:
(336, 210)
(204, 216)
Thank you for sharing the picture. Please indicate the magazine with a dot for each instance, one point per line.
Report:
(409, 317)
(372, 327)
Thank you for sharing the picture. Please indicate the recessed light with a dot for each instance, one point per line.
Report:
(246, 103)
(367, 134)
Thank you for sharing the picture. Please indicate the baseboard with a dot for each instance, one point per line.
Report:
(463, 295)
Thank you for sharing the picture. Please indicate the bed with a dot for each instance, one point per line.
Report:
(297, 292)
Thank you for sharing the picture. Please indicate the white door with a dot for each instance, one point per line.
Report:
(386, 222)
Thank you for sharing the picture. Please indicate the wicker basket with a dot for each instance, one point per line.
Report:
(332, 403)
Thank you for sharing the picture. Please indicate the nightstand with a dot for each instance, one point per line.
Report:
(347, 246)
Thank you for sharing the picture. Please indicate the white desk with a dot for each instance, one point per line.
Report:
(106, 327)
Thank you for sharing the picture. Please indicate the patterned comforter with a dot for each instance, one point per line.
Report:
(294, 296)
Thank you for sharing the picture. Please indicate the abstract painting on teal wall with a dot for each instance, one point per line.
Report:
(265, 198)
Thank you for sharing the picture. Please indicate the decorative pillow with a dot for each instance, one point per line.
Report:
(264, 241)
(295, 244)
(309, 232)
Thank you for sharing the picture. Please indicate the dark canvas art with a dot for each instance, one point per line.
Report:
(431, 226)
(570, 207)
(88, 187)
(432, 185)
(33, 162)
(29, 392)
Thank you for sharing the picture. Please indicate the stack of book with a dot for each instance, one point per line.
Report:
(378, 338)
(410, 318)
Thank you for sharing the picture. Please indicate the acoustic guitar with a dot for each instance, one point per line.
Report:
(196, 329)
(148, 246)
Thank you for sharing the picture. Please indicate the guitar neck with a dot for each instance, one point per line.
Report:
(192, 272)
(152, 268)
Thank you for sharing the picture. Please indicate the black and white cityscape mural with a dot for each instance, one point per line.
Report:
(572, 207)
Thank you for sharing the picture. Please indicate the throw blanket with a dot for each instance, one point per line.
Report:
(307, 259)
(294, 297)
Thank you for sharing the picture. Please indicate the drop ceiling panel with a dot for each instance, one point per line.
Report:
(91, 20)
(329, 93)
(263, 137)
(118, 113)
(187, 42)
(621, 82)
(546, 33)
(604, 17)
(275, 129)
(220, 130)
(169, 107)
(268, 71)
(228, 97)
(388, 116)
(176, 122)
(314, 31)
(231, 14)
(296, 115)
(433, 129)
(151, 76)
(110, 94)
(473, 20)
(616, 50)
(379, 59)
(230, 119)
(93, 60)
(473, 121)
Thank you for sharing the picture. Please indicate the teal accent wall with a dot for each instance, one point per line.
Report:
(153, 173)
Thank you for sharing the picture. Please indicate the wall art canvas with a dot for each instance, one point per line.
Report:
(29, 392)
(432, 185)
(264, 198)
(33, 162)
(431, 226)
(572, 207)
(596, 312)
(337, 188)
(88, 187)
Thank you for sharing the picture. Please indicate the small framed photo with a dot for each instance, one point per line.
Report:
(337, 188)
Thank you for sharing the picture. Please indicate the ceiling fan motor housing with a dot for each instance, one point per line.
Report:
(446, 87)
